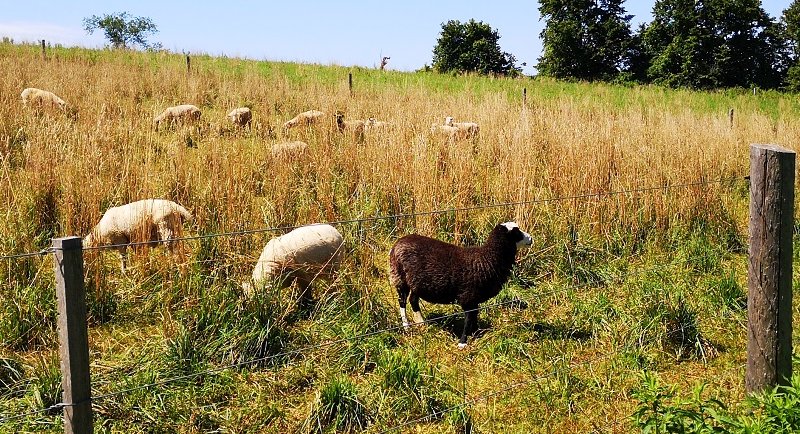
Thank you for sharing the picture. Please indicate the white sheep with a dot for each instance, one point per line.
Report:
(289, 149)
(448, 131)
(471, 129)
(372, 124)
(42, 98)
(145, 221)
(241, 116)
(305, 118)
(304, 254)
(186, 113)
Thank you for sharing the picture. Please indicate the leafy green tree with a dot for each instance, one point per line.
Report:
(791, 26)
(584, 39)
(471, 47)
(712, 44)
(121, 29)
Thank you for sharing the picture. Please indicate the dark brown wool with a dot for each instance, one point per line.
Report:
(439, 272)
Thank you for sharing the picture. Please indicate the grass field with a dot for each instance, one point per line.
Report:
(628, 282)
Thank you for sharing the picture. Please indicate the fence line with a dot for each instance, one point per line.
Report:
(53, 407)
(406, 215)
(376, 332)
(478, 398)
(373, 333)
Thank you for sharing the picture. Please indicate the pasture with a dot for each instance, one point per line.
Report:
(634, 196)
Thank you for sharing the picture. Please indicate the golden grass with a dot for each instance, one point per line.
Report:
(59, 174)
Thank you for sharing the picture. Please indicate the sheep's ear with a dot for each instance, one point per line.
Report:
(509, 226)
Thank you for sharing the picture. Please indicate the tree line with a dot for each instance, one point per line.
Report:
(699, 44)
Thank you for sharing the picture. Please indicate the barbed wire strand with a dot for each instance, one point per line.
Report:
(419, 214)
(28, 255)
(373, 333)
(58, 406)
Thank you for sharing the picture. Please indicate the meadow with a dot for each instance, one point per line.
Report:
(635, 198)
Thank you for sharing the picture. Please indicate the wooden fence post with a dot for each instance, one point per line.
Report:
(44, 54)
(350, 82)
(188, 65)
(769, 270)
(524, 97)
(73, 335)
(730, 116)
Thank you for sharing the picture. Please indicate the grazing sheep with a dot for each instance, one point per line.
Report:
(354, 127)
(288, 149)
(143, 221)
(241, 116)
(439, 272)
(41, 98)
(303, 119)
(471, 129)
(374, 124)
(185, 113)
(303, 254)
(448, 131)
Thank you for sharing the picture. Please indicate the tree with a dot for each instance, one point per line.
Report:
(713, 44)
(791, 25)
(121, 29)
(584, 39)
(471, 47)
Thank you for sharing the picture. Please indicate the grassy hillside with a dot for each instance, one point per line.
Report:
(615, 285)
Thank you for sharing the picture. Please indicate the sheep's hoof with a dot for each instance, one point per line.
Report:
(462, 346)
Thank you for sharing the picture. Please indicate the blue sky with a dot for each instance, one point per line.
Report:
(312, 31)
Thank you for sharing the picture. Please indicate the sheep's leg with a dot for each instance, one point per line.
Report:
(414, 300)
(123, 259)
(470, 322)
(402, 295)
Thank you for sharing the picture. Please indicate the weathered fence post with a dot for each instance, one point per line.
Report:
(44, 53)
(73, 335)
(350, 82)
(524, 97)
(188, 65)
(730, 116)
(769, 271)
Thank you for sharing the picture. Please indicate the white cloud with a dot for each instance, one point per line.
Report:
(52, 33)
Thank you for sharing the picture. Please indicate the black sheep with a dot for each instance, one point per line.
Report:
(442, 273)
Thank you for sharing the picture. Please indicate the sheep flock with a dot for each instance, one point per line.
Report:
(421, 268)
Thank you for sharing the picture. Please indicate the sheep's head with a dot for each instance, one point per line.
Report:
(521, 238)
(448, 121)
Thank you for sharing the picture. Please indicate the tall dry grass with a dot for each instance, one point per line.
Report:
(60, 174)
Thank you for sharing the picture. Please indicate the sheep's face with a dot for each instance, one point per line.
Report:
(523, 239)
(448, 121)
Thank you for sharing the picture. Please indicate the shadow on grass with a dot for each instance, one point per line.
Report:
(559, 331)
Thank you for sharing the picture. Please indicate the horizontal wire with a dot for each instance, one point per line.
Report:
(30, 413)
(419, 214)
(28, 255)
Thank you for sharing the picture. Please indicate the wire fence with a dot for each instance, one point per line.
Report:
(309, 348)
(580, 196)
